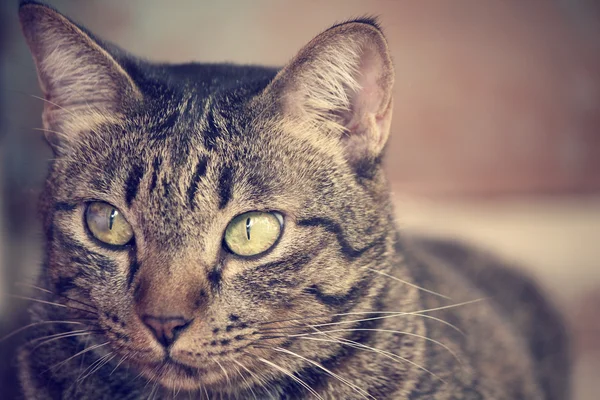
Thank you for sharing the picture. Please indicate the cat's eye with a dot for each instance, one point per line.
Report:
(107, 224)
(253, 233)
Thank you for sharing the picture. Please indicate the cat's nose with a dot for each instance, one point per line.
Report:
(166, 329)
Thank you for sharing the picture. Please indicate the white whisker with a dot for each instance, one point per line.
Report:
(363, 393)
(119, 364)
(291, 375)
(78, 354)
(386, 314)
(384, 353)
(29, 285)
(224, 371)
(396, 314)
(244, 378)
(58, 336)
(386, 331)
(49, 303)
(96, 365)
(409, 284)
(53, 103)
(15, 332)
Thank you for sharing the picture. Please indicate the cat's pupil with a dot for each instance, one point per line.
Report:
(248, 225)
(111, 218)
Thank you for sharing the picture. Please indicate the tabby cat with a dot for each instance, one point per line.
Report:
(217, 231)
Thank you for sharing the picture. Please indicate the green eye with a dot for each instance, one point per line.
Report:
(253, 233)
(107, 224)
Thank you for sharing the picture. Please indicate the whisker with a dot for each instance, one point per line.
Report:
(82, 359)
(384, 353)
(119, 363)
(386, 331)
(50, 303)
(362, 392)
(292, 319)
(58, 365)
(98, 364)
(34, 299)
(409, 284)
(396, 314)
(441, 321)
(224, 370)
(280, 330)
(244, 379)
(55, 294)
(19, 330)
(52, 103)
(64, 335)
(38, 339)
(275, 321)
(260, 378)
(176, 387)
(288, 373)
(84, 374)
(155, 387)
(369, 312)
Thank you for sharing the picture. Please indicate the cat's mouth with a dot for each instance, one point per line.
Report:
(180, 368)
(177, 375)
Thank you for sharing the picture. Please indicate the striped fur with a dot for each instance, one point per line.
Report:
(342, 307)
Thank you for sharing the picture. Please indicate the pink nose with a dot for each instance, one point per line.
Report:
(166, 329)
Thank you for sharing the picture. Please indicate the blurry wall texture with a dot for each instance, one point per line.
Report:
(496, 102)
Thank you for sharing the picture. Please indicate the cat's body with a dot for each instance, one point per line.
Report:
(338, 306)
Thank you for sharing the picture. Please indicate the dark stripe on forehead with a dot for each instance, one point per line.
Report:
(166, 188)
(168, 122)
(199, 172)
(133, 182)
(225, 186)
(155, 170)
(211, 133)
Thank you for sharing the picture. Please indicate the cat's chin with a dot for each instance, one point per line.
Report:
(177, 376)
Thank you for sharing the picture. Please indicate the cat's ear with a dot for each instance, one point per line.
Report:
(340, 84)
(82, 83)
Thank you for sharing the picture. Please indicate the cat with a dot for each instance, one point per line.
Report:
(226, 231)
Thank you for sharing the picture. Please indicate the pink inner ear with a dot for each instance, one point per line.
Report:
(368, 99)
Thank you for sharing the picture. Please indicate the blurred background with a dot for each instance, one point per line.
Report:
(495, 139)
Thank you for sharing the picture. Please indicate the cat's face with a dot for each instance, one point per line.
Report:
(201, 227)
(179, 197)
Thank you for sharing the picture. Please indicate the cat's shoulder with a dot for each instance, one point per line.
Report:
(515, 295)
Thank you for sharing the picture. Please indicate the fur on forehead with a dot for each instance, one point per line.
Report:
(337, 89)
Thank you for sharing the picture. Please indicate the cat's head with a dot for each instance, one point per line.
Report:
(199, 214)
